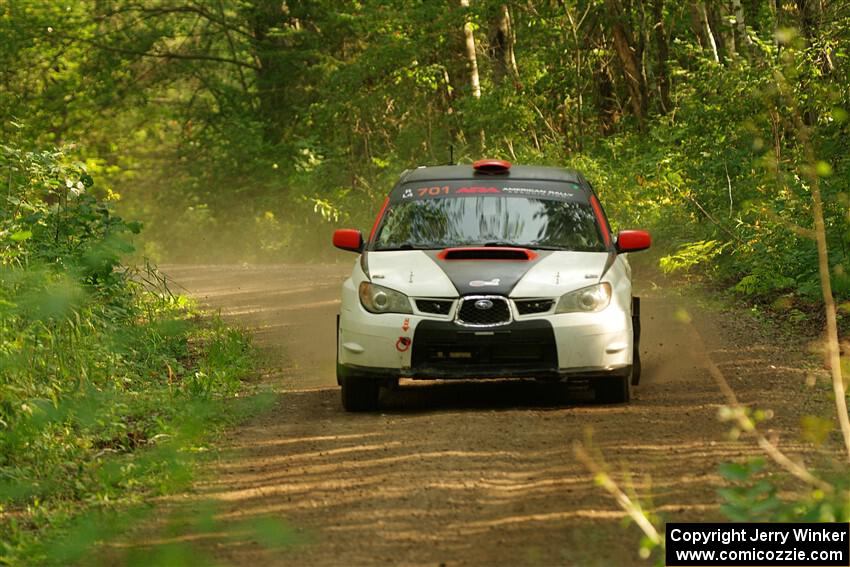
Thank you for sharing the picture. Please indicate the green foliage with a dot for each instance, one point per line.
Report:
(755, 493)
(274, 126)
(106, 377)
(690, 255)
(755, 496)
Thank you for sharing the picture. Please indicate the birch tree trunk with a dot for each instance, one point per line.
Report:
(471, 57)
(719, 28)
(740, 22)
(706, 30)
(503, 47)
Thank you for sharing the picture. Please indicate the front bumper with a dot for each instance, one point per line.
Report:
(560, 346)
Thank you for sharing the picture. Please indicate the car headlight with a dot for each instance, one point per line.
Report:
(587, 299)
(380, 299)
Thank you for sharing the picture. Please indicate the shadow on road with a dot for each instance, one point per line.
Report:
(482, 394)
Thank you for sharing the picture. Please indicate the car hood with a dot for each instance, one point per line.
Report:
(421, 273)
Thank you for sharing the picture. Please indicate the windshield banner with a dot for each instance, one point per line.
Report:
(550, 190)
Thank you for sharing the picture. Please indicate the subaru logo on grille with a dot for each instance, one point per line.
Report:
(483, 304)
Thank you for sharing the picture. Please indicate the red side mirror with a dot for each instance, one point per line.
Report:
(348, 239)
(633, 240)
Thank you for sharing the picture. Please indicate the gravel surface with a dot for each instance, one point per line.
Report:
(477, 473)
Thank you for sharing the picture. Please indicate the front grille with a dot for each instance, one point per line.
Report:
(532, 306)
(520, 347)
(484, 311)
(436, 306)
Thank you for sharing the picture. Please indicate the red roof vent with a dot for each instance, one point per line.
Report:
(491, 166)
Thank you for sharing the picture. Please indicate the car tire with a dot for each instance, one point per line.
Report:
(359, 394)
(612, 389)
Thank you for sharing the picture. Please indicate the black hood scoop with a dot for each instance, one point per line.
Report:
(488, 253)
(485, 271)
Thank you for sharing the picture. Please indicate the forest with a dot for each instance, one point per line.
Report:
(253, 127)
(143, 132)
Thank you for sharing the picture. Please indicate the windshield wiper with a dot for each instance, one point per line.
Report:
(546, 247)
(405, 246)
(565, 248)
(534, 246)
(531, 245)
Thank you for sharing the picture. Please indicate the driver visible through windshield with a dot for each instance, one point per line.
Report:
(490, 220)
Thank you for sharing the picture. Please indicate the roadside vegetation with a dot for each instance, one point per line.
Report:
(109, 381)
(246, 130)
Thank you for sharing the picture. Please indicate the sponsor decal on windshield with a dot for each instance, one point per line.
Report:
(432, 191)
(551, 191)
(478, 190)
(442, 191)
(534, 192)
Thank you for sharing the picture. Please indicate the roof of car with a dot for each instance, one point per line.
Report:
(516, 172)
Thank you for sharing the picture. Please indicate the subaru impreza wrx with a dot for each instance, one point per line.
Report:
(489, 270)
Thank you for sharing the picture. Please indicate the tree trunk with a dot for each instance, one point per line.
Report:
(503, 48)
(635, 80)
(741, 23)
(697, 26)
(607, 109)
(810, 14)
(718, 27)
(471, 57)
(752, 8)
(447, 107)
(810, 11)
(577, 48)
(264, 17)
(727, 30)
(662, 77)
(710, 39)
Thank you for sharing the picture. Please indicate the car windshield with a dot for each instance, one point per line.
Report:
(490, 221)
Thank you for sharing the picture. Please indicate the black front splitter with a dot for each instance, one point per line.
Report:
(392, 375)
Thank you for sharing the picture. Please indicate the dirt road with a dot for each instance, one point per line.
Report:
(475, 473)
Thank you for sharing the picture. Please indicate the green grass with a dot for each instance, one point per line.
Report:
(111, 386)
(89, 453)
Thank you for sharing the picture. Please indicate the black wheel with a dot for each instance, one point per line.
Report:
(359, 394)
(612, 389)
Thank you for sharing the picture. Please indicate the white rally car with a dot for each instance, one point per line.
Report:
(489, 271)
